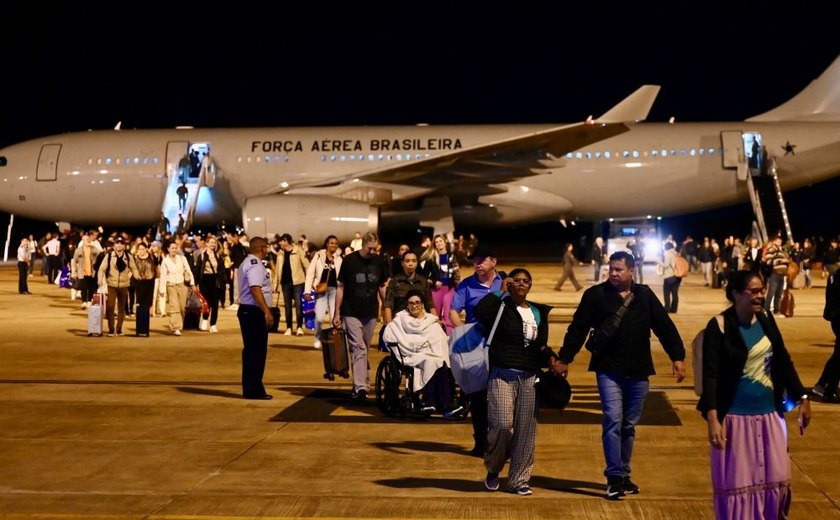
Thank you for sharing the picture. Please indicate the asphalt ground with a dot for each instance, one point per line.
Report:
(155, 428)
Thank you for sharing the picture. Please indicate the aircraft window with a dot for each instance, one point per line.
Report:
(370, 157)
(399, 157)
(99, 161)
(90, 161)
(607, 154)
(682, 151)
(136, 160)
(380, 157)
(570, 155)
(701, 151)
(390, 157)
(145, 160)
(343, 157)
(626, 153)
(287, 158)
(711, 151)
(673, 152)
(155, 160)
(653, 153)
(250, 159)
(664, 152)
(579, 155)
(635, 154)
(597, 155)
(268, 159)
(332, 158)
(127, 160)
(323, 158)
(108, 160)
(692, 152)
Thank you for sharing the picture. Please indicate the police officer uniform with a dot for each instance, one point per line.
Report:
(252, 273)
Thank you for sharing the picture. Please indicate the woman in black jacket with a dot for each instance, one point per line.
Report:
(518, 351)
(211, 280)
(747, 371)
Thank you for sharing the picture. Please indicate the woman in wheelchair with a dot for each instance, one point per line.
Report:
(421, 344)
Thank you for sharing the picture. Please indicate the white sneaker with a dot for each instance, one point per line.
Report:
(177, 332)
(234, 307)
(213, 329)
(300, 331)
(288, 332)
(317, 344)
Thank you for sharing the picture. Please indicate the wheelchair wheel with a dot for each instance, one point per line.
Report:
(387, 388)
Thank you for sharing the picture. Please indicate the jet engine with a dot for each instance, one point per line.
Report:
(316, 216)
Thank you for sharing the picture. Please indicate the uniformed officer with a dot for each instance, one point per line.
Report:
(255, 318)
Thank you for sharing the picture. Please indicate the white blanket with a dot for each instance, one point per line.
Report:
(422, 344)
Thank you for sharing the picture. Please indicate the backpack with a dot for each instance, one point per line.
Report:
(697, 355)
(680, 267)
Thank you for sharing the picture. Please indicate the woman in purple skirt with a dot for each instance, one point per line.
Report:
(747, 377)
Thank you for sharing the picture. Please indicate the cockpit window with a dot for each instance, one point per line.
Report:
(2, 161)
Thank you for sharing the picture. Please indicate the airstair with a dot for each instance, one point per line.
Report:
(185, 182)
(768, 202)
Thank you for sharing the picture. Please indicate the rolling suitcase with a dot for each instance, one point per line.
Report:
(787, 304)
(334, 348)
(95, 315)
(275, 313)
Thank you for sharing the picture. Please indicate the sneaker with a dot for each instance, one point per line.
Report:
(213, 329)
(524, 490)
(455, 413)
(819, 391)
(299, 332)
(234, 307)
(317, 344)
(119, 333)
(110, 334)
(177, 332)
(360, 395)
(491, 481)
(288, 332)
(615, 488)
(630, 487)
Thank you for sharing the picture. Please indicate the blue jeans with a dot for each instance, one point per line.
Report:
(622, 399)
(775, 289)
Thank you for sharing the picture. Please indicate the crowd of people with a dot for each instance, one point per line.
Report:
(420, 297)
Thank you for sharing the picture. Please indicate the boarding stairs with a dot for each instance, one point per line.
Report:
(171, 204)
(768, 202)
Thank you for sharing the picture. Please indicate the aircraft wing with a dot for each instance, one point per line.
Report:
(508, 159)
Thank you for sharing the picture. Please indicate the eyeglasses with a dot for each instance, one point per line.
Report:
(522, 281)
(414, 304)
(756, 291)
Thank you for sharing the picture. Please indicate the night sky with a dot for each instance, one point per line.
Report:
(77, 66)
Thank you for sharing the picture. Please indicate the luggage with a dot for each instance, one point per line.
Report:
(308, 307)
(787, 303)
(334, 348)
(191, 319)
(95, 315)
(275, 313)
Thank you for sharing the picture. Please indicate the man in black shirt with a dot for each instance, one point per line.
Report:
(623, 360)
(361, 282)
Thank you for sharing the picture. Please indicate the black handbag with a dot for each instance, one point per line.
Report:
(599, 338)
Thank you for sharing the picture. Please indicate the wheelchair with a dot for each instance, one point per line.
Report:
(394, 389)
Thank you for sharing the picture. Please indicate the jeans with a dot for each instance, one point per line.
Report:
(291, 292)
(622, 399)
(671, 289)
(775, 288)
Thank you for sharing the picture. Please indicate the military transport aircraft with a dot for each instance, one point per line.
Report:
(340, 180)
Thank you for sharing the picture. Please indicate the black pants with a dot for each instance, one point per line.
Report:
(831, 373)
(207, 284)
(671, 287)
(254, 349)
(88, 288)
(145, 292)
(23, 272)
(292, 292)
(478, 413)
(53, 267)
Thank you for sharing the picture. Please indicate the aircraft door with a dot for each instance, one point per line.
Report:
(175, 152)
(733, 148)
(48, 163)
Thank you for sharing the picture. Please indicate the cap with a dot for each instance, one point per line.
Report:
(119, 240)
(483, 251)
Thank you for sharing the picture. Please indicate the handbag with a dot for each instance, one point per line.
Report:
(469, 354)
(599, 338)
(323, 286)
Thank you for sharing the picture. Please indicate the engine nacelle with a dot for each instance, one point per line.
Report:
(316, 216)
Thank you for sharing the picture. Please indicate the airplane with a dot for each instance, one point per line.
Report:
(341, 180)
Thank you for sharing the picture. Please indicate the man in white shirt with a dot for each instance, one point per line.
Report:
(23, 259)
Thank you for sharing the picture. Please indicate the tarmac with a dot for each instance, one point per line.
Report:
(155, 428)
